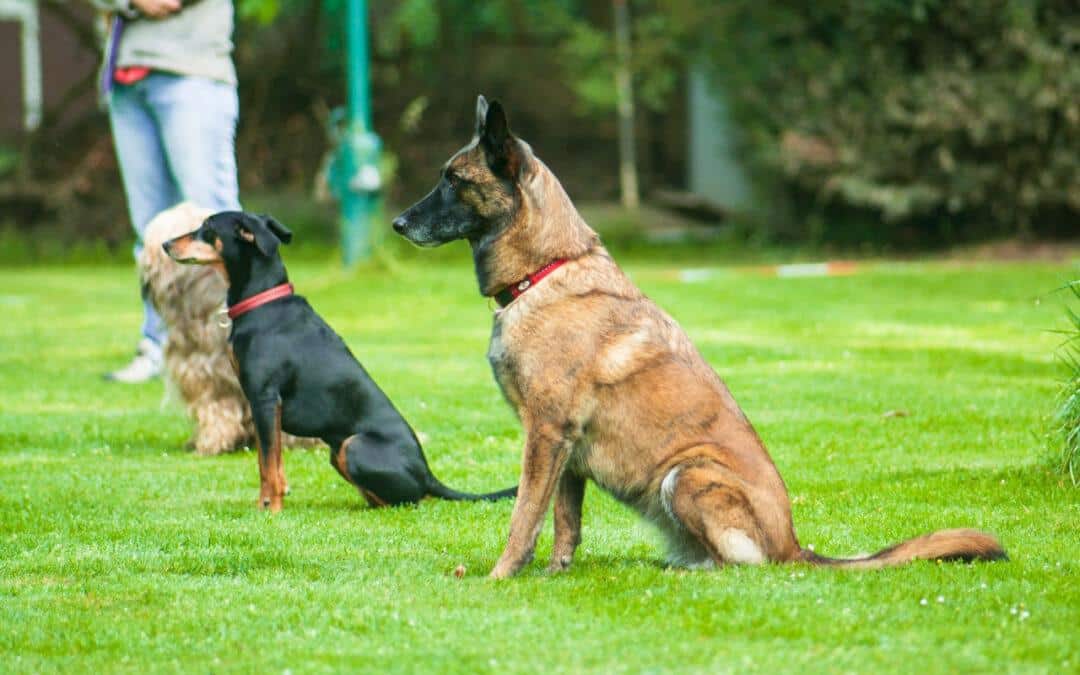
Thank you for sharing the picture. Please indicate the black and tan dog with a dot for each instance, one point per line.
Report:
(606, 385)
(299, 375)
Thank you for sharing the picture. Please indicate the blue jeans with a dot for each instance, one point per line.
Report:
(175, 141)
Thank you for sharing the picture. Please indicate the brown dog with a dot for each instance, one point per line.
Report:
(607, 386)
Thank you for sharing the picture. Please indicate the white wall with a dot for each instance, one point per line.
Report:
(25, 12)
(714, 170)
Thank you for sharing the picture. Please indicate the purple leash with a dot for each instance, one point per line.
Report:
(111, 49)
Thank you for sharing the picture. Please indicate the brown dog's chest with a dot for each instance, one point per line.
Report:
(536, 361)
(505, 366)
(546, 364)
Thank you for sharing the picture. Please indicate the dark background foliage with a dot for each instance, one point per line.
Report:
(941, 119)
(915, 122)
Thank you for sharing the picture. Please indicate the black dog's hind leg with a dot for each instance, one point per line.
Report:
(339, 459)
(272, 485)
(377, 471)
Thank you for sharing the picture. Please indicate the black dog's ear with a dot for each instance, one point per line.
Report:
(278, 229)
(500, 145)
(264, 232)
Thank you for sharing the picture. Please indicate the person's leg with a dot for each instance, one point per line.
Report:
(149, 188)
(198, 123)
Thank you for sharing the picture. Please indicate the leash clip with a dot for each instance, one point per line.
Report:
(223, 319)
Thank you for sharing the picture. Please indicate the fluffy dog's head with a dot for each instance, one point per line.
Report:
(165, 281)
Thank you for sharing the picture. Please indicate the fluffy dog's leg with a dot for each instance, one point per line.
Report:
(219, 425)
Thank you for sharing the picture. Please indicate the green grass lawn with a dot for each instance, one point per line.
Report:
(121, 552)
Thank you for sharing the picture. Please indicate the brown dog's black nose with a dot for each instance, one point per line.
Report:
(399, 224)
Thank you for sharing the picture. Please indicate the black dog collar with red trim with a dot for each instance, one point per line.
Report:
(260, 299)
(511, 292)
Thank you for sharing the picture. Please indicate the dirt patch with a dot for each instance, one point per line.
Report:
(1019, 250)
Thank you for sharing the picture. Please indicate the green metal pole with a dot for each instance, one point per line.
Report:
(359, 102)
(359, 156)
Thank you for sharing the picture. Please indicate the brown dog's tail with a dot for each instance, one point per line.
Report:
(961, 545)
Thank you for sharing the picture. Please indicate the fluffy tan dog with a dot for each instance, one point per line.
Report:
(198, 361)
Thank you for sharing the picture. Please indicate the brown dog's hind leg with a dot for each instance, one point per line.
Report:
(714, 508)
(568, 499)
(542, 464)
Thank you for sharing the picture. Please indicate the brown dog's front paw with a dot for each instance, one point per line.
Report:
(559, 564)
(504, 569)
(510, 563)
(271, 504)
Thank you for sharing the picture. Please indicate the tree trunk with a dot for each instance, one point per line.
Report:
(624, 88)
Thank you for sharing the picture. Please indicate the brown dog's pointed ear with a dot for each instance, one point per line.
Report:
(496, 129)
(498, 142)
(481, 114)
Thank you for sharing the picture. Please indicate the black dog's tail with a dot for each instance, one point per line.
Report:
(437, 489)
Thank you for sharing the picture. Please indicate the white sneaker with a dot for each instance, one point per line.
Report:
(145, 366)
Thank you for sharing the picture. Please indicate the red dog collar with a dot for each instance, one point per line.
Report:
(511, 292)
(130, 74)
(260, 299)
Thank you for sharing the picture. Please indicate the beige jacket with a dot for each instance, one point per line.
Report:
(197, 40)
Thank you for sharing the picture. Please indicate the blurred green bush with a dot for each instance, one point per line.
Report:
(949, 119)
